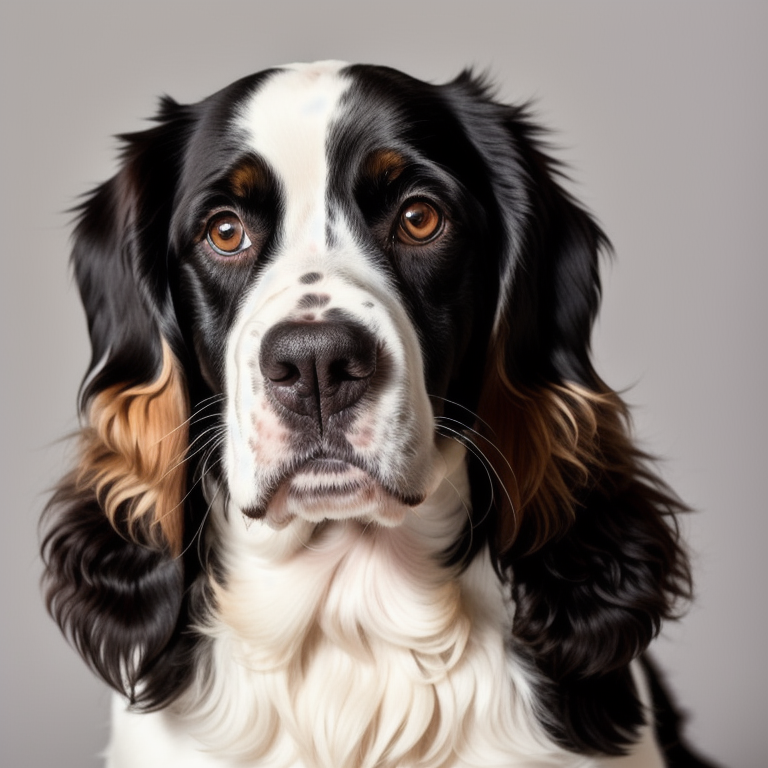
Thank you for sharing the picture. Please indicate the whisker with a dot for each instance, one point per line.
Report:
(207, 401)
(185, 455)
(204, 436)
(196, 414)
(487, 440)
(198, 534)
(213, 444)
(196, 481)
(472, 413)
(484, 462)
(478, 453)
(204, 471)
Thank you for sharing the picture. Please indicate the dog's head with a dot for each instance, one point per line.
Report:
(297, 290)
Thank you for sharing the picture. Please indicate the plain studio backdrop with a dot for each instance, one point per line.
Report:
(659, 108)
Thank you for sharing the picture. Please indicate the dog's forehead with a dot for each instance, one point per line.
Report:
(287, 120)
(302, 116)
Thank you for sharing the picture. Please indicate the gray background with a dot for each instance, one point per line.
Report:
(659, 107)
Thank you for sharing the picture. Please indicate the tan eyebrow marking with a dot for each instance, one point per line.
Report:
(247, 177)
(385, 163)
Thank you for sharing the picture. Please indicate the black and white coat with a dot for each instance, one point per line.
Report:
(350, 493)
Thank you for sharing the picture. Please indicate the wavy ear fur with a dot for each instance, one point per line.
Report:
(113, 531)
(584, 527)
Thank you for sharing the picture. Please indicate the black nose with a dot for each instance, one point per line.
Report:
(317, 368)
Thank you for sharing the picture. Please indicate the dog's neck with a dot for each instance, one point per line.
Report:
(358, 641)
(348, 583)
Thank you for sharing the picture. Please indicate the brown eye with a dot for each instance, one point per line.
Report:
(226, 234)
(419, 223)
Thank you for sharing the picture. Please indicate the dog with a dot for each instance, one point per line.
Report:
(349, 492)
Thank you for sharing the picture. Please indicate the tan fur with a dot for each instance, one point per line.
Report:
(544, 445)
(247, 177)
(133, 455)
(385, 163)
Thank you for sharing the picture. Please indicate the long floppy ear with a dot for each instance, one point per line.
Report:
(113, 530)
(585, 528)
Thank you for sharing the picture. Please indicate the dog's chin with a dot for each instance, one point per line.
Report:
(330, 489)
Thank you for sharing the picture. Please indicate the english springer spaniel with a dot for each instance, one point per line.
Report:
(349, 491)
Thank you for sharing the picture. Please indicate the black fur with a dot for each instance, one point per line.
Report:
(669, 724)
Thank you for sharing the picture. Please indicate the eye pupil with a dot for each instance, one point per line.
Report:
(226, 230)
(415, 217)
(419, 222)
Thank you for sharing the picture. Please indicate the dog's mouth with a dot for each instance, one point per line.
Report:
(324, 478)
(329, 488)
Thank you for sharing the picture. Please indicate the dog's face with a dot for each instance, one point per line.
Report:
(325, 271)
(299, 291)
(335, 263)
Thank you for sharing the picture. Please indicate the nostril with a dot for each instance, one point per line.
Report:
(360, 366)
(281, 372)
(340, 370)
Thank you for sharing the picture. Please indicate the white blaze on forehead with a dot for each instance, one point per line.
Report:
(287, 123)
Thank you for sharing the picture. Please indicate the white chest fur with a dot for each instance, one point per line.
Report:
(343, 646)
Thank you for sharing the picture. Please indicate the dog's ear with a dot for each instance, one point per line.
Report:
(113, 531)
(543, 406)
(584, 527)
(133, 399)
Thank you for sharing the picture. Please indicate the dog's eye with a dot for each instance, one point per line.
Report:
(226, 234)
(420, 222)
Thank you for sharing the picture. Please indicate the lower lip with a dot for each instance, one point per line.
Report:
(326, 467)
(328, 477)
